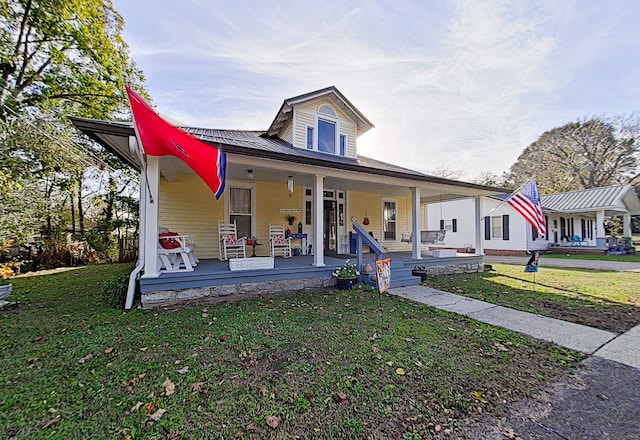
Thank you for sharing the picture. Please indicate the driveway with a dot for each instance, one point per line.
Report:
(620, 266)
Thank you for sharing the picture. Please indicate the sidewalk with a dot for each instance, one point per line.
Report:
(619, 266)
(624, 348)
(599, 401)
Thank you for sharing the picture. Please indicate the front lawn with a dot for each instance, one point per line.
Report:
(606, 300)
(571, 256)
(312, 365)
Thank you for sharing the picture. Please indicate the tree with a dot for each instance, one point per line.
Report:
(586, 154)
(58, 58)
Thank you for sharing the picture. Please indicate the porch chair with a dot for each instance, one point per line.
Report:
(576, 240)
(176, 252)
(279, 241)
(230, 244)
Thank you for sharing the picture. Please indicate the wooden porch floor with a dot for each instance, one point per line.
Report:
(212, 272)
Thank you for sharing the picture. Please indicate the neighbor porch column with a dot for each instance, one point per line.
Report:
(478, 220)
(626, 224)
(600, 224)
(318, 220)
(151, 218)
(416, 244)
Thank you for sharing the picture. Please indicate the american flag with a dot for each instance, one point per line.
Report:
(527, 202)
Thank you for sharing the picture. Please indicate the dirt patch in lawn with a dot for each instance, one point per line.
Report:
(618, 319)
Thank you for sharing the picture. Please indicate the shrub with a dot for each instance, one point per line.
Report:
(114, 291)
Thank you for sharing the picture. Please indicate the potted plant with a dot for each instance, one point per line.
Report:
(5, 286)
(346, 276)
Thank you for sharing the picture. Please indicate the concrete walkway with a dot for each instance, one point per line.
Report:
(624, 348)
(619, 266)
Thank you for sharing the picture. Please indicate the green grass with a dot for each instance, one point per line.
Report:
(626, 258)
(72, 367)
(602, 299)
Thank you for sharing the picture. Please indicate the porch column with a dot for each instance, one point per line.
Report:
(151, 218)
(318, 220)
(626, 224)
(416, 244)
(600, 224)
(478, 220)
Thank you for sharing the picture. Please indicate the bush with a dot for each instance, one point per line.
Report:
(114, 291)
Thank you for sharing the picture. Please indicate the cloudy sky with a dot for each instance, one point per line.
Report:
(459, 84)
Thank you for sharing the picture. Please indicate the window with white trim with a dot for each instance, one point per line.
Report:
(496, 228)
(241, 209)
(309, 138)
(343, 145)
(389, 219)
(326, 136)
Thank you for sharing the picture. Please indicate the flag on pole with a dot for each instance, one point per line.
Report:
(527, 202)
(159, 138)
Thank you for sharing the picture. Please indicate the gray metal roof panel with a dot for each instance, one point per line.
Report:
(595, 198)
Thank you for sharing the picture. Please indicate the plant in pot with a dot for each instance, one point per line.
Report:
(346, 276)
(5, 285)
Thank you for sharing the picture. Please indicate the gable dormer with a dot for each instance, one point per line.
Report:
(323, 121)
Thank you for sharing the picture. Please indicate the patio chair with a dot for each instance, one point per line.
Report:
(231, 246)
(576, 240)
(280, 243)
(176, 252)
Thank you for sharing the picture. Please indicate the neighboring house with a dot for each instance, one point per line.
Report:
(309, 148)
(573, 218)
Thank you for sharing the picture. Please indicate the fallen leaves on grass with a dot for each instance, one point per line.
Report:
(477, 396)
(340, 397)
(273, 421)
(51, 422)
(169, 387)
(510, 434)
(108, 350)
(499, 346)
(184, 370)
(157, 415)
(86, 358)
(400, 371)
(135, 407)
(197, 386)
(131, 382)
(223, 338)
(32, 362)
(40, 340)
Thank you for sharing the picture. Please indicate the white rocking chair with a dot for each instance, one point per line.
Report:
(176, 252)
(231, 246)
(280, 243)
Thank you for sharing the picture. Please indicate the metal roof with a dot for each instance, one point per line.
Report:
(258, 144)
(588, 199)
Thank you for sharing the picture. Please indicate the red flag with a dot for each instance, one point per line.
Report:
(527, 202)
(159, 138)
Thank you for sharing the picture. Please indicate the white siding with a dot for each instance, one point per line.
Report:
(302, 121)
(287, 133)
(349, 130)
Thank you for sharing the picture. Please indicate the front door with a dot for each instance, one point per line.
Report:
(330, 225)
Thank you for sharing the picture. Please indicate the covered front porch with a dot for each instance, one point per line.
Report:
(211, 280)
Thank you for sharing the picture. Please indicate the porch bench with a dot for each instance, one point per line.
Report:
(252, 263)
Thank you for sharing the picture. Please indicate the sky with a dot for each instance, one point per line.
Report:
(463, 85)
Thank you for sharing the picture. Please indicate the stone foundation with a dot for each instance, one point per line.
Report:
(231, 292)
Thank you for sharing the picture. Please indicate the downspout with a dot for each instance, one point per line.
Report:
(131, 291)
(133, 277)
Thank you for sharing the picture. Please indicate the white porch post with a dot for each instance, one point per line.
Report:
(416, 245)
(478, 225)
(151, 218)
(318, 220)
(626, 224)
(600, 224)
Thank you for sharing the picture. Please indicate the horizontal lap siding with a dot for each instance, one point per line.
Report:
(189, 207)
(287, 133)
(360, 202)
(350, 131)
(270, 198)
(303, 120)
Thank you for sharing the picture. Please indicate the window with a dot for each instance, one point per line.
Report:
(326, 136)
(241, 210)
(496, 227)
(309, 138)
(343, 144)
(449, 225)
(389, 220)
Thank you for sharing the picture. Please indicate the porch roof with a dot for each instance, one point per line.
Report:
(114, 136)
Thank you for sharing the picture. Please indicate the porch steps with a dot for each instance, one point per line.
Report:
(401, 274)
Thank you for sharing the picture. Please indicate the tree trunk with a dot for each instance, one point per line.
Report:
(80, 209)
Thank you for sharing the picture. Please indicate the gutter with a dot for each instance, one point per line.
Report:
(133, 277)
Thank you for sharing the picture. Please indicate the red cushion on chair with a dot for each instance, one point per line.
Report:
(229, 240)
(279, 239)
(169, 243)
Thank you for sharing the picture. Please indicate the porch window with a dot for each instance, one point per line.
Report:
(389, 219)
(326, 136)
(241, 210)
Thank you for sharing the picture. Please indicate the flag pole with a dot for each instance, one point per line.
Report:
(140, 153)
(508, 198)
